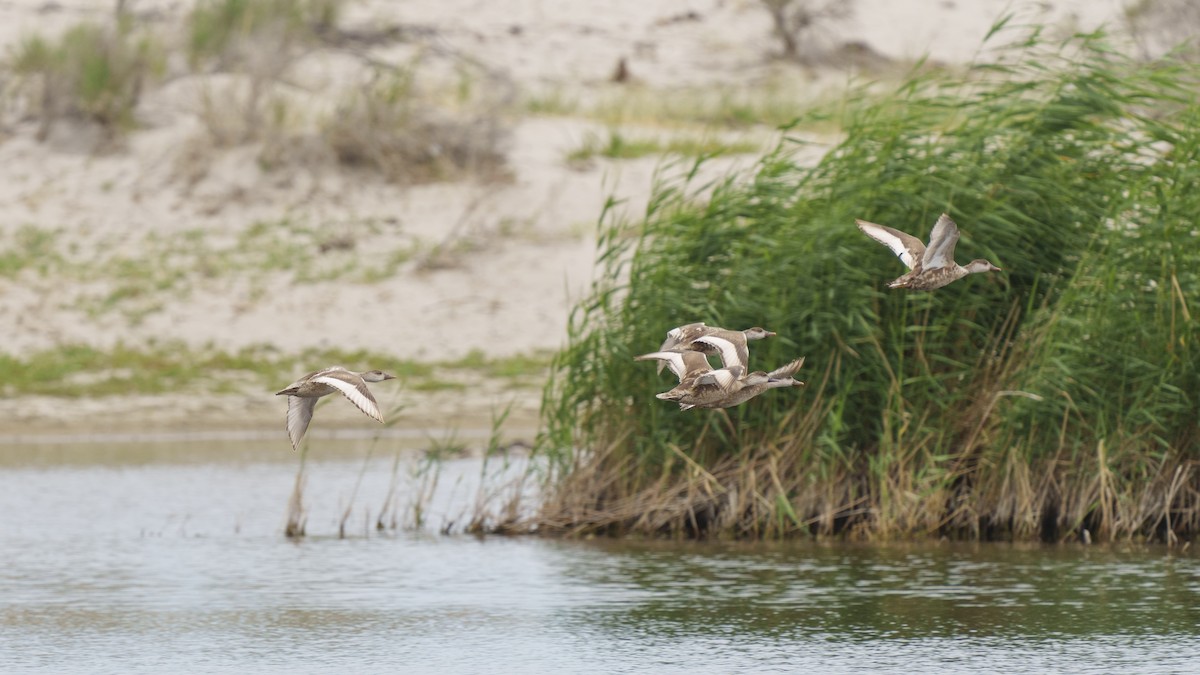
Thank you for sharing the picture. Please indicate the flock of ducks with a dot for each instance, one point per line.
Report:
(687, 348)
(700, 386)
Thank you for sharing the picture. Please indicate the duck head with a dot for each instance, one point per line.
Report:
(757, 333)
(980, 265)
(377, 376)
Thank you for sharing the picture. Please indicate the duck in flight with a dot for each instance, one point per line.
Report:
(929, 266)
(730, 344)
(701, 386)
(304, 392)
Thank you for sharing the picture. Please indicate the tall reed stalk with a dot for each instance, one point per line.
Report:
(1056, 397)
(297, 515)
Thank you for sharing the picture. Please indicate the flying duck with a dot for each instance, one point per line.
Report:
(304, 392)
(929, 266)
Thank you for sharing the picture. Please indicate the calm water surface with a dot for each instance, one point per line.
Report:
(133, 561)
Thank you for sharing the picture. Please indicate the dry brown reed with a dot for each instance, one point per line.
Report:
(297, 515)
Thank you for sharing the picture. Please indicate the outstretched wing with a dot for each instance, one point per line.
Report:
(683, 364)
(786, 371)
(942, 240)
(300, 412)
(907, 247)
(679, 336)
(732, 353)
(722, 377)
(355, 389)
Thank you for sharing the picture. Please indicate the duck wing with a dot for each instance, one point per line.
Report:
(684, 364)
(300, 412)
(942, 241)
(291, 388)
(354, 388)
(733, 352)
(681, 335)
(787, 370)
(722, 378)
(906, 247)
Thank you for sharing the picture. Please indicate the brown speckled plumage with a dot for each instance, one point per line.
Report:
(930, 266)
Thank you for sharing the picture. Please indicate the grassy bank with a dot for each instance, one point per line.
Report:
(80, 370)
(1054, 400)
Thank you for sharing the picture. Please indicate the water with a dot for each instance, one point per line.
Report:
(138, 561)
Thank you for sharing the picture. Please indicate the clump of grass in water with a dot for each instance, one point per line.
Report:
(387, 519)
(297, 516)
(1057, 397)
(486, 517)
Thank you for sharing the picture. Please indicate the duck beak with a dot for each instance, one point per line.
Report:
(770, 333)
(388, 377)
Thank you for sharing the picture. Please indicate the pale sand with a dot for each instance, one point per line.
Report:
(532, 235)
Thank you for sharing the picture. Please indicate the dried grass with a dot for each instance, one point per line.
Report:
(387, 127)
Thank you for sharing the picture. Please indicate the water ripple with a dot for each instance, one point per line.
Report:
(183, 568)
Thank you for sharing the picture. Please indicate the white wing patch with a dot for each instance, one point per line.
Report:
(942, 241)
(731, 354)
(358, 396)
(722, 377)
(879, 234)
(674, 360)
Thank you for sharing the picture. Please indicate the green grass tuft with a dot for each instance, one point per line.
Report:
(219, 29)
(94, 72)
(30, 247)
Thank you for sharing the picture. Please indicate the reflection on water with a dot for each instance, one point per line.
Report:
(182, 567)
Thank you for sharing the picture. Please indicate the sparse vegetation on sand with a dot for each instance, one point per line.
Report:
(386, 127)
(92, 73)
(1156, 25)
(618, 145)
(247, 53)
(80, 370)
(1059, 399)
(802, 26)
(222, 33)
(138, 275)
(771, 104)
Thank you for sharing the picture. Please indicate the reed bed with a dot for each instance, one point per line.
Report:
(1057, 399)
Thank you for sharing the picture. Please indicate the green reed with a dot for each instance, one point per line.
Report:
(1056, 397)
